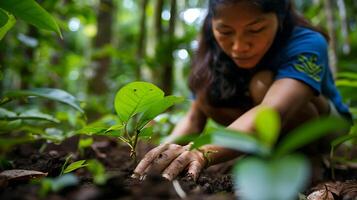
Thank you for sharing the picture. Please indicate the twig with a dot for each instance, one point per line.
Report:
(182, 194)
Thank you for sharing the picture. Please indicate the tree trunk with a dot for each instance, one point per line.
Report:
(344, 27)
(331, 30)
(158, 40)
(158, 22)
(25, 71)
(98, 83)
(168, 65)
(142, 38)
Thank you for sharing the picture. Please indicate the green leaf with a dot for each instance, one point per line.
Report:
(3, 18)
(8, 126)
(338, 141)
(279, 179)
(4, 113)
(116, 127)
(347, 75)
(10, 22)
(54, 135)
(146, 133)
(157, 108)
(37, 115)
(7, 143)
(31, 12)
(58, 183)
(49, 93)
(27, 115)
(98, 172)
(74, 166)
(232, 139)
(136, 97)
(267, 124)
(85, 142)
(93, 129)
(310, 132)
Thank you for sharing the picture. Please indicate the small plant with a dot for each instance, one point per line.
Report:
(136, 104)
(67, 168)
(271, 171)
(27, 118)
(349, 141)
(55, 184)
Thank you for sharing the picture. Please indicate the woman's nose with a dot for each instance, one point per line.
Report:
(240, 45)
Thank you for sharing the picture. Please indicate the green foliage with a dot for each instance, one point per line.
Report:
(136, 104)
(74, 166)
(309, 132)
(232, 139)
(267, 124)
(98, 172)
(3, 18)
(85, 142)
(7, 21)
(27, 115)
(66, 168)
(352, 138)
(31, 120)
(275, 172)
(56, 184)
(276, 179)
(49, 93)
(31, 12)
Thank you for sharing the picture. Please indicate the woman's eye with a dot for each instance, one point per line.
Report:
(225, 32)
(254, 31)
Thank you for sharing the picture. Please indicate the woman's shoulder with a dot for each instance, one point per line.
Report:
(305, 40)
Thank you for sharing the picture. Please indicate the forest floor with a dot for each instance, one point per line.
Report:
(215, 183)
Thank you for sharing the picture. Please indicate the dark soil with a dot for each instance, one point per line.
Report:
(214, 183)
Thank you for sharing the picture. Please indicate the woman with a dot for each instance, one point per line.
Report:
(252, 53)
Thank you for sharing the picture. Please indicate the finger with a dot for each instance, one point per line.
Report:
(194, 169)
(176, 166)
(164, 159)
(148, 158)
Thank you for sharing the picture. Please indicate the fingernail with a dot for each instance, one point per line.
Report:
(166, 176)
(191, 177)
(136, 176)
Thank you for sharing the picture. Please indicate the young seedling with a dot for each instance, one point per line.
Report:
(66, 168)
(271, 171)
(136, 104)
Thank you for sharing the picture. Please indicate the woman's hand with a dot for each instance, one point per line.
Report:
(171, 160)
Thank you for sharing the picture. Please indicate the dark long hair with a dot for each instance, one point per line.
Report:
(215, 75)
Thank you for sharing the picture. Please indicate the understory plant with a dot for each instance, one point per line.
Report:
(136, 104)
(272, 170)
(25, 118)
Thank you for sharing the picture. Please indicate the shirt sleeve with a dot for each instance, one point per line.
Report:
(306, 62)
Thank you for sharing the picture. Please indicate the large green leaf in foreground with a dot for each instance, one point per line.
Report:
(31, 12)
(279, 179)
(309, 132)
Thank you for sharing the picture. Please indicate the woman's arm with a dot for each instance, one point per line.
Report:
(286, 96)
(193, 122)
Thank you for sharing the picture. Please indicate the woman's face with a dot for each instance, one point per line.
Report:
(244, 32)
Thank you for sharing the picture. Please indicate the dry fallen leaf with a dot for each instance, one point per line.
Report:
(21, 174)
(332, 190)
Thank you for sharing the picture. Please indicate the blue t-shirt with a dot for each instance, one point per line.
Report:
(305, 58)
